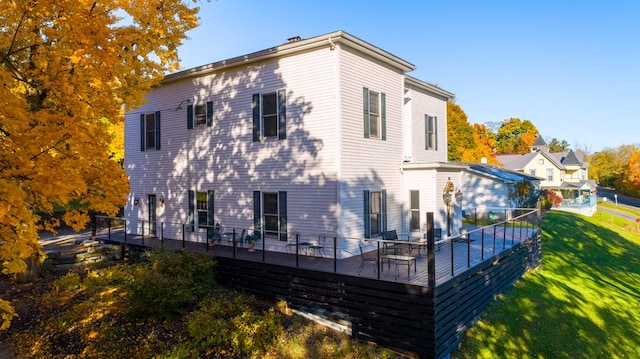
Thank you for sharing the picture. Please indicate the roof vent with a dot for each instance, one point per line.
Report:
(294, 39)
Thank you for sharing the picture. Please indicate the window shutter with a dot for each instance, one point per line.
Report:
(383, 209)
(367, 214)
(383, 116)
(190, 116)
(282, 114)
(209, 113)
(256, 116)
(282, 203)
(426, 132)
(210, 209)
(142, 134)
(191, 206)
(157, 130)
(365, 101)
(435, 133)
(257, 211)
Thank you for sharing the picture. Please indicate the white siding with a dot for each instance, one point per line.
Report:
(368, 163)
(425, 103)
(225, 159)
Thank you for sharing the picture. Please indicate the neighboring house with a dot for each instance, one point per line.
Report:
(321, 135)
(566, 173)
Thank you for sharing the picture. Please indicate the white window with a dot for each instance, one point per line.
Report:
(550, 174)
(376, 213)
(374, 114)
(430, 134)
(150, 131)
(270, 213)
(202, 208)
(269, 116)
(200, 115)
(541, 161)
(414, 203)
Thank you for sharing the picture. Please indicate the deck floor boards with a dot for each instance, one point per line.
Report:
(465, 254)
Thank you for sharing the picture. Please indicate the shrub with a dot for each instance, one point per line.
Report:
(69, 281)
(168, 284)
(228, 324)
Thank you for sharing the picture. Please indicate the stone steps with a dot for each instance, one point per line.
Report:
(65, 254)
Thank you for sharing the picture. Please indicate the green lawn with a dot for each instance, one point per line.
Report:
(584, 303)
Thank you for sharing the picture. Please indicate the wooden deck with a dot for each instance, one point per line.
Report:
(458, 253)
(398, 310)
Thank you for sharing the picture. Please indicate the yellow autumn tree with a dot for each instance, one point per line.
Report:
(65, 65)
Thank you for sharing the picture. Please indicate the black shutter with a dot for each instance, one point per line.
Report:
(367, 214)
(383, 209)
(157, 130)
(257, 211)
(282, 203)
(365, 101)
(255, 104)
(282, 114)
(190, 116)
(209, 114)
(210, 208)
(191, 206)
(383, 116)
(142, 134)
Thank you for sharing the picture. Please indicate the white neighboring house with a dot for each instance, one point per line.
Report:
(321, 135)
(566, 173)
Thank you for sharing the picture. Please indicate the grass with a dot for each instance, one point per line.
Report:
(583, 303)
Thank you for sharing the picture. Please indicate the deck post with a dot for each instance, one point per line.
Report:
(431, 256)
(335, 254)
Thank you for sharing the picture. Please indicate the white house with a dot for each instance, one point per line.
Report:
(321, 135)
(566, 173)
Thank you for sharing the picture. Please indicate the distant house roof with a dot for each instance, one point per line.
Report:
(503, 174)
(540, 142)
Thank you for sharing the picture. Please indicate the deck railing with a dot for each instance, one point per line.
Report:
(328, 252)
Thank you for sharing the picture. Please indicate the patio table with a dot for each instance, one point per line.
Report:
(400, 259)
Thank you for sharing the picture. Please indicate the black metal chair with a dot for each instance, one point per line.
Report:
(366, 259)
(319, 246)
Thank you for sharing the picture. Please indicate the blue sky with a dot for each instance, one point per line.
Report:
(570, 67)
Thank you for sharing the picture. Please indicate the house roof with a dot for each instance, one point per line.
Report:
(539, 141)
(501, 173)
(295, 45)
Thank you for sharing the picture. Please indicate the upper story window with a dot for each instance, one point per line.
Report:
(200, 115)
(374, 109)
(150, 131)
(541, 161)
(270, 115)
(532, 172)
(549, 174)
(430, 132)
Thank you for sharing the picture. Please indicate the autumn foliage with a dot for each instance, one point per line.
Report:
(68, 68)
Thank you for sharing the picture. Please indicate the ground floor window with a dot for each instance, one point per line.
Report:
(375, 204)
(414, 204)
(270, 214)
(201, 209)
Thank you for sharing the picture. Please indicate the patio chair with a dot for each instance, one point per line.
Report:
(214, 235)
(319, 246)
(366, 259)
